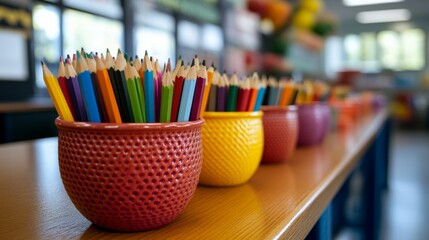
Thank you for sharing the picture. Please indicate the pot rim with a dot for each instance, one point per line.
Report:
(61, 124)
(210, 115)
(289, 108)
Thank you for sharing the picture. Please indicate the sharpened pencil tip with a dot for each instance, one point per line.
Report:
(119, 51)
(180, 57)
(193, 62)
(204, 63)
(145, 52)
(43, 63)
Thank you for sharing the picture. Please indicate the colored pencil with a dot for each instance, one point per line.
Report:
(244, 94)
(207, 89)
(198, 94)
(74, 63)
(110, 66)
(57, 96)
(179, 63)
(132, 91)
(231, 102)
(62, 80)
(149, 90)
(177, 93)
(166, 97)
(140, 93)
(287, 92)
(124, 97)
(197, 63)
(87, 90)
(187, 95)
(221, 94)
(107, 92)
(211, 106)
(92, 66)
(254, 84)
(158, 87)
(261, 94)
(137, 63)
(273, 90)
(75, 92)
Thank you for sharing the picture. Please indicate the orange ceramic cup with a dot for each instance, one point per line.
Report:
(280, 133)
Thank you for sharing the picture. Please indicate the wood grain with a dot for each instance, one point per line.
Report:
(280, 201)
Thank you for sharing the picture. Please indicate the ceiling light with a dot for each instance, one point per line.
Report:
(352, 3)
(393, 15)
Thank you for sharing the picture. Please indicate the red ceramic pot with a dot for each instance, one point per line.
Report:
(130, 177)
(280, 133)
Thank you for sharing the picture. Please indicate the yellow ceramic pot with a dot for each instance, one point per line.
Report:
(232, 147)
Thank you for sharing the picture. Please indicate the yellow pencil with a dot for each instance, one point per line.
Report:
(56, 95)
(207, 86)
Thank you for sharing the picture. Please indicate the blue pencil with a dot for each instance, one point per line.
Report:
(149, 90)
(187, 95)
(260, 98)
(87, 90)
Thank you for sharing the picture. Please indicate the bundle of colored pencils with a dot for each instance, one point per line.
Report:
(281, 93)
(234, 95)
(95, 88)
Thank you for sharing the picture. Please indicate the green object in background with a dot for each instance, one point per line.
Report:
(278, 45)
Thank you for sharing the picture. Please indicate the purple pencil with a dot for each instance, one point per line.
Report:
(157, 87)
(221, 95)
(74, 91)
(199, 92)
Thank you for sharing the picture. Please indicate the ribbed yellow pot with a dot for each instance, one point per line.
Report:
(232, 147)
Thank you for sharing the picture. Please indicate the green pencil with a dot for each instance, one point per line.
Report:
(166, 96)
(140, 93)
(231, 101)
(132, 91)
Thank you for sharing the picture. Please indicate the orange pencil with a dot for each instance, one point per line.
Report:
(254, 84)
(287, 92)
(107, 92)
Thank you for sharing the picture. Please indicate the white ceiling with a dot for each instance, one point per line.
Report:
(419, 9)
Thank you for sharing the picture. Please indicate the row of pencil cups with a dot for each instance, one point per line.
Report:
(135, 177)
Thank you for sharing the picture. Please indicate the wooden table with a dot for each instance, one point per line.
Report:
(280, 201)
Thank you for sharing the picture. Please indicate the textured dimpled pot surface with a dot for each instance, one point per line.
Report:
(280, 133)
(232, 147)
(130, 177)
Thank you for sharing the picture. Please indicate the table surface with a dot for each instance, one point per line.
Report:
(31, 105)
(280, 201)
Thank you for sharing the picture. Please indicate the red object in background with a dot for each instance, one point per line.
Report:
(280, 133)
(257, 6)
(132, 177)
(274, 62)
(251, 60)
(347, 77)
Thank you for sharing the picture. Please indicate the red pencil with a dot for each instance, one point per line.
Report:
(243, 95)
(63, 85)
(199, 92)
(177, 93)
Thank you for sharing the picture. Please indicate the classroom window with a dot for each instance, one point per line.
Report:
(352, 49)
(390, 49)
(395, 50)
(151, 39)
(91, 32)
(46, 25)
(152, 30)
(413, 45)
(108, 8)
